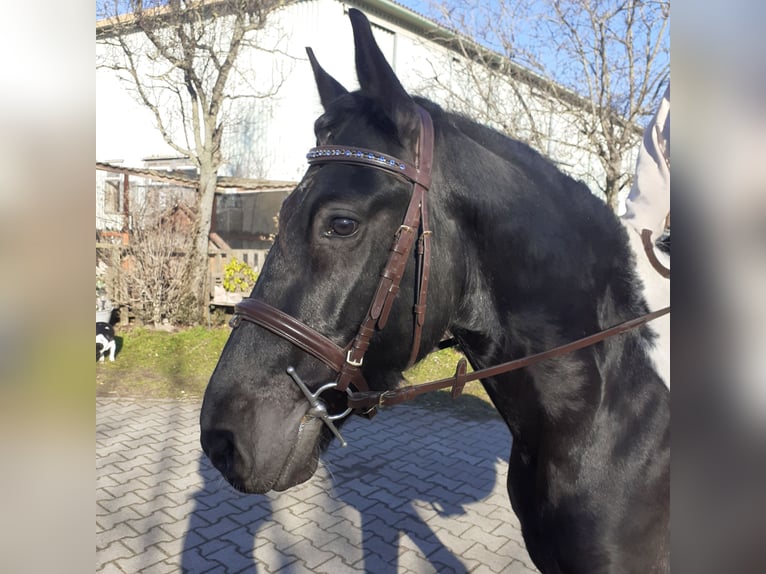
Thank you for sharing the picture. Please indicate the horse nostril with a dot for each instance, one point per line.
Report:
(218, 445)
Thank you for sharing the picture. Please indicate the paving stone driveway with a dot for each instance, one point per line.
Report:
(415, 491)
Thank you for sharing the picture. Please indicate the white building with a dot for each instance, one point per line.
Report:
(271, 135)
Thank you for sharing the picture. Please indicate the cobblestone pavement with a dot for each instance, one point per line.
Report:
(415, 491)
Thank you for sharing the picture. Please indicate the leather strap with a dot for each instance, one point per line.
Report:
(363, 156)
(646, 239)
(425, 164)
(290, 329)
(367, 399)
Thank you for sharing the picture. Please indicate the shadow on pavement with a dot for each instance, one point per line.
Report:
(222, 526)
(403, 481)
(428, 474)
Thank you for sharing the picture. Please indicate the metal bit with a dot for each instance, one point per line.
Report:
(318, 408)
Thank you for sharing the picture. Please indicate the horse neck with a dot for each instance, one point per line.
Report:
(544, 263)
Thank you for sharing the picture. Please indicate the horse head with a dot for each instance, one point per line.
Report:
(335, 234)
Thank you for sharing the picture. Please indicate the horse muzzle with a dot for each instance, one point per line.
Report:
(238, 436)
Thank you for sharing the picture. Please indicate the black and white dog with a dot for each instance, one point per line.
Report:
(105, 342)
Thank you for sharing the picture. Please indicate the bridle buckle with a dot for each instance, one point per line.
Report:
(352, 362)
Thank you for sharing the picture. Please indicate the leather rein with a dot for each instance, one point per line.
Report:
(347, 361)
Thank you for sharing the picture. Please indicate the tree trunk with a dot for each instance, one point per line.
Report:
(199, 266)
(611, 193)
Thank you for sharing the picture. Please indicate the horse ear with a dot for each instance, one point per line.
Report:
(329, 88)
(377, 78)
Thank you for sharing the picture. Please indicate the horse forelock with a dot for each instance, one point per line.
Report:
(359, 119)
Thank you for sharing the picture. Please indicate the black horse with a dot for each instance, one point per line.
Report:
(523, 259)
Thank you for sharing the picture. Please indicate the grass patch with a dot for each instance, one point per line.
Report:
(161, 364)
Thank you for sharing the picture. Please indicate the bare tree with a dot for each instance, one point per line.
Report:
(608, 61)
(180, 60)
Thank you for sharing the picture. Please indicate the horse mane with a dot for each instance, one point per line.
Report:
(566, 213)
(511, 150)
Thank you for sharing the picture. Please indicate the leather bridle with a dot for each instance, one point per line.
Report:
(347, 361)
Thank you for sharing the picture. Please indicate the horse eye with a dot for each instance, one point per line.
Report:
(343, 227)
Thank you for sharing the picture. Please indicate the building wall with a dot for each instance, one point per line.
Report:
(268, 137)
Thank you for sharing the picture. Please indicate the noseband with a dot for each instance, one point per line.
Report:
(347, 361)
